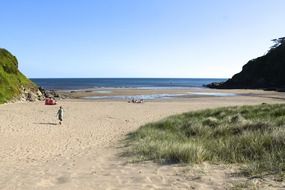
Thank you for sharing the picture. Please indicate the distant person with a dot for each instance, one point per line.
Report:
(60, 114)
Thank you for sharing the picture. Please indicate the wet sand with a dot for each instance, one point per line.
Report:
(174, 94)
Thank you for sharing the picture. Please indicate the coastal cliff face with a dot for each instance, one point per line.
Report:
(14, 86)
(265, 72)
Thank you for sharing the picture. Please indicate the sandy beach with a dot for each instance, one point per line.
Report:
(86, 152)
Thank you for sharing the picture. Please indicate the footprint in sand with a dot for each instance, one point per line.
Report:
(62, 179)
(49, 182)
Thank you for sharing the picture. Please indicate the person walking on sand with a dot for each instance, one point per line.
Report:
(60, 114)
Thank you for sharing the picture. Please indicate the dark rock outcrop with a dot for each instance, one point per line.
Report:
(265, 72)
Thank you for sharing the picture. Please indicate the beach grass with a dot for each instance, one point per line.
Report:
(253, 136)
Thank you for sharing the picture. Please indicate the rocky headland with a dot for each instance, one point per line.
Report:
(266, 72)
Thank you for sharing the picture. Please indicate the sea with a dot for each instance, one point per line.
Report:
(141, 83)
(103, 86)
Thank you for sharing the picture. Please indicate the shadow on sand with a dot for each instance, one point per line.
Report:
(48, 123)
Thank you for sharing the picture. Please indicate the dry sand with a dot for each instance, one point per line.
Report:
(85, 152)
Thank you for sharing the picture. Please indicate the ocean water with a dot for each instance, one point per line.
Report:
(143, 83)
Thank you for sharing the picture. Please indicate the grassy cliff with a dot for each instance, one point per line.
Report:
(12, 81)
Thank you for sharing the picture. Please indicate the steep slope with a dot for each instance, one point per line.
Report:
(13, 84)
(265, 72)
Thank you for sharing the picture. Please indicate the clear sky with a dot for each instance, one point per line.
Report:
(138, 38)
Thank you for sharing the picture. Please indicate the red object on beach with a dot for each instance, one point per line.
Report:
(50, 101)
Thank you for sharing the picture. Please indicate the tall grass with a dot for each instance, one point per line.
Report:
(253, 135)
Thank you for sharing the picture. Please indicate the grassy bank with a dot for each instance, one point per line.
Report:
(11, 79)
(252, 135)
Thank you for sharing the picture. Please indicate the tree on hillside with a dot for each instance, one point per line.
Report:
(277, 42)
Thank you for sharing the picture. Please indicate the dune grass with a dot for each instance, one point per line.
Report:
(251, 135)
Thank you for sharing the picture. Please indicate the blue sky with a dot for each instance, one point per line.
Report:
(138, 38)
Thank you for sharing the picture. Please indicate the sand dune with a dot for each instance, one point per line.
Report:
(85, 152)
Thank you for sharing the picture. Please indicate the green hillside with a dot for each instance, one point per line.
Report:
(12, 82)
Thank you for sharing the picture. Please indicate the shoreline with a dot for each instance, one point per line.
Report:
(125, 94)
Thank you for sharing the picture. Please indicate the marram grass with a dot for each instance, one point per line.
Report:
(251, 135)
